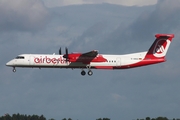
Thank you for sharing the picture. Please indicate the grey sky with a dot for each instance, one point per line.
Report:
(22, 15)
(54, 3)
(33, 27)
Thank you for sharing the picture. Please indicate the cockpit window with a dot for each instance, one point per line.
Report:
(20, 57)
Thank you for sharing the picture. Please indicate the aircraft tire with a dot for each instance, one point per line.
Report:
(14, 70)
(83, 73)
(90, 72)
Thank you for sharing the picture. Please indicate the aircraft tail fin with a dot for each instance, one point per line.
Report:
(160, 46)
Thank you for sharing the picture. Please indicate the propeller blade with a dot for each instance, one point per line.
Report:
(66, 51)
(66, 55)
(60, 51)
(67, 58)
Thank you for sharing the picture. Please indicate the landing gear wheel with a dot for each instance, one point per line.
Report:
(14, 70)
(90, 72)
(83, 73)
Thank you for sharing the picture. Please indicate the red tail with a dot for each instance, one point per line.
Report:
(160, 46)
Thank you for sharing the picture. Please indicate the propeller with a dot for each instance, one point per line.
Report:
(66, 55)
(60, 51)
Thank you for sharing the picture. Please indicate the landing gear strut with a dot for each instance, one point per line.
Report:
(14, 69)
(89, 70)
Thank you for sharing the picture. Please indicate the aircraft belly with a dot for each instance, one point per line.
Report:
(59, 65)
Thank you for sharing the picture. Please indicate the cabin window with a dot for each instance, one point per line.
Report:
(20, 57)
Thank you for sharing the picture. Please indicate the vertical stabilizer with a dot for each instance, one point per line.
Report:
(160, 46)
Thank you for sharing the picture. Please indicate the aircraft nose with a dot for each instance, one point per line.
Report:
(9, 63)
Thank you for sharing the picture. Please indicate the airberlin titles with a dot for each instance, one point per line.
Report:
(48, 60)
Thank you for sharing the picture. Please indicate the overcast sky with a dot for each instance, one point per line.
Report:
(54, 3)
(42, 26)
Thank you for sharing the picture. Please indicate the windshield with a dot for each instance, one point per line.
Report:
(20, 57)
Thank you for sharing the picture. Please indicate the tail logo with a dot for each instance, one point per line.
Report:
(161, 48)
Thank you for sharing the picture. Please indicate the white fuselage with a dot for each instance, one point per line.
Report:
(48, 60)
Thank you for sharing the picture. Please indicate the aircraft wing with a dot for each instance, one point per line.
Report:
(91, 56)
(86, 58)
(93, 53)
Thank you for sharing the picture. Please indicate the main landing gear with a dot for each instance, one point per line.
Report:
(84, 73)
(89, 71)
(14, 69)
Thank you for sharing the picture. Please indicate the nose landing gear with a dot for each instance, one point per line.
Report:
(14, 69)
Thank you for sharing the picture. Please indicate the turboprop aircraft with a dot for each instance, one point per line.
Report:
(93, 60)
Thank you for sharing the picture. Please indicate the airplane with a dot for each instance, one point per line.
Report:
(94, 60)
